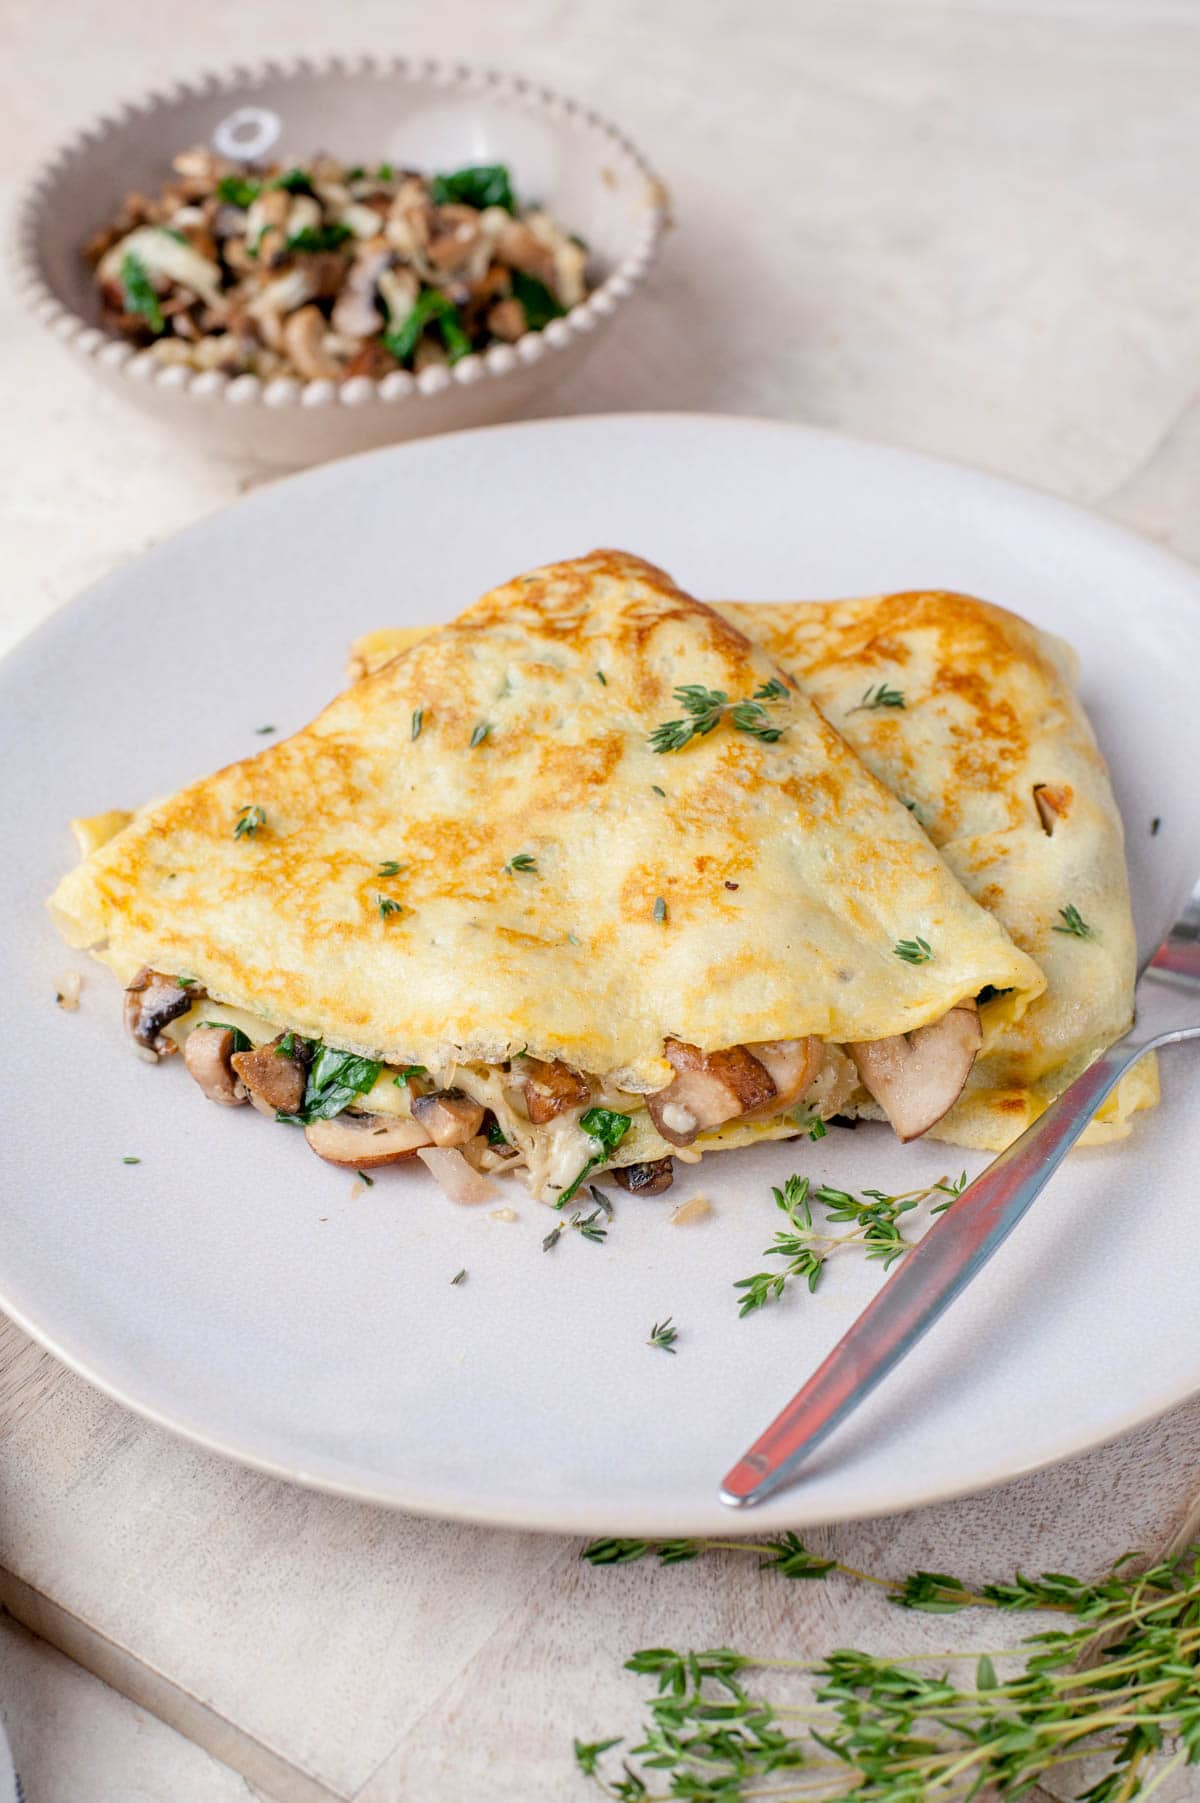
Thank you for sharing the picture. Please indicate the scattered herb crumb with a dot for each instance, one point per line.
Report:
(880, 697)
(913, 951)
(390, 868)
(524, 861)
(369, 1181)
(418, 721)
(1074, 923)
(480, 734)
(660, 910)
(1155, 824)
(264, 729)
(249, 820)
(388, 907)
(459, 1276)
(131, 1161)
(663, 1335)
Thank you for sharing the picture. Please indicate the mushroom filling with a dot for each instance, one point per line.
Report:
(152, 1002)
(326, 272)
(917, 1077)
(556, 1124)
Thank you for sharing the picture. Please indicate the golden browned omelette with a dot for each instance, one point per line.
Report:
(580, 880)
(969, 715)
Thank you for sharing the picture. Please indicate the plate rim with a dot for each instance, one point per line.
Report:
(789, 1509)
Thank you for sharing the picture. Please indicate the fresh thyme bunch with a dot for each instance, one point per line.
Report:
(874, 1226)
(1121, 1681)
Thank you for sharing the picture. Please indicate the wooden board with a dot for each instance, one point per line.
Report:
(328, 1650)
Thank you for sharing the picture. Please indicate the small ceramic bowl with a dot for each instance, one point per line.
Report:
(423, 115)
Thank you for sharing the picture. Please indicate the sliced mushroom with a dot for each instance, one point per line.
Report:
(165, 260)
(447, 1117)
(399, 289)
(304, 342)
(455, 235)
(793, 1066)
(362, 1141)
(207, 1052)
(275, 1079)
(1053, 803)
(551, 1087)
(710, 1088)
(517, 246)
(152, 1001)
(355, 311)
(649, 1179)
(916, 1077)
(507, 320)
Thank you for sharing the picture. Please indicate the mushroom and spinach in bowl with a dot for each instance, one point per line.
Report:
(321, 271)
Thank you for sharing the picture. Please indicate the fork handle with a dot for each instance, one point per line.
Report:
(938, 1269)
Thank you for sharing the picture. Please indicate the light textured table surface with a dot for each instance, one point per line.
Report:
(967, 227)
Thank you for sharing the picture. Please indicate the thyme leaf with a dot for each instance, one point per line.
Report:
(1074, 923)
(663, 1335)
(248, 822)
(880, 697)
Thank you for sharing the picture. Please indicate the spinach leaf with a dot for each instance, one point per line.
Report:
(294, 181)
(430, 308)
(606, 1130)
(140, 297)
(539, 304)
(236, 191)
(480, 185)
(334, 1080)
(319, 237)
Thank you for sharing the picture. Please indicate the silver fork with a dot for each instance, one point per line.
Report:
(962, 1240)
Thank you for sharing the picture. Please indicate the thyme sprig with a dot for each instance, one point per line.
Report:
(873, 1219)
(1121, 1681)
(663, 1335)
(706, 708)
(914, 951)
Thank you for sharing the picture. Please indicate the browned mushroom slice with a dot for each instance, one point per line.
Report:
(207, 1052)
(304, 342)
(362, 1141)
(1053, 803)
(152, 1002)
(519, 247)
(447, 1117)
(916, 1077)
(649, 1179)
(793, 1065)
(710, 1088)
(551, 1087)
(275, 1079)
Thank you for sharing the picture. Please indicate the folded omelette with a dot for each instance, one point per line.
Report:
(582, 880)
(969, 715)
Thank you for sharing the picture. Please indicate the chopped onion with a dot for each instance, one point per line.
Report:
(694, 1209)
(67, 994)
(450, 1170)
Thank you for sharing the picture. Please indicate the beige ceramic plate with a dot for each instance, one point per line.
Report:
(430, 116)
(234, 1288)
